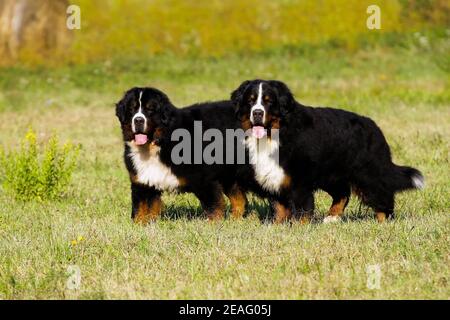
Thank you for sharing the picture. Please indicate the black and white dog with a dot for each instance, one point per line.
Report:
(319, 148)
(148, 119)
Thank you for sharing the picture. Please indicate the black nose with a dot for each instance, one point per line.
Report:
(139, 121)
(258, 114)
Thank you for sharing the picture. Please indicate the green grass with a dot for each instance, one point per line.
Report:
(182, 255)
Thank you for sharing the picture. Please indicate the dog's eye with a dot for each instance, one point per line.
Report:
(148, 108)
(266, 99)
(252, 98)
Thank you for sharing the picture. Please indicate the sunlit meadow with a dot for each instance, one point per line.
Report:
(201, 50)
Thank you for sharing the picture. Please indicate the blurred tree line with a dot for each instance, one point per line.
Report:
(34, 31)
(30, 27)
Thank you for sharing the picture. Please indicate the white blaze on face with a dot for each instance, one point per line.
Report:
(258, 105)
(139, 114)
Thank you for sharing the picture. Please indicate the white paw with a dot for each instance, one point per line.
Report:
(331, 219)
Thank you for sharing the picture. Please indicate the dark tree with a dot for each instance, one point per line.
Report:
(34, 27)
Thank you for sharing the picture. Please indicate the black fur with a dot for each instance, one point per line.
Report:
(330, 149)
(207, 182)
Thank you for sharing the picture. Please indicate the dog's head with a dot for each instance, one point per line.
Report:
(143, 114)
(261, 105)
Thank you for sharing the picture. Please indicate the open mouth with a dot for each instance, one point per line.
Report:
(140, 139)
(259, 132)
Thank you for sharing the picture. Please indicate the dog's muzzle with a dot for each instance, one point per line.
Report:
(139, 124)
(258, 117)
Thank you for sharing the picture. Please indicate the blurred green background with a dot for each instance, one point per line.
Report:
(119, 28)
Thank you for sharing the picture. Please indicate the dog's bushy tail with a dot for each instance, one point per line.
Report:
(404, 178)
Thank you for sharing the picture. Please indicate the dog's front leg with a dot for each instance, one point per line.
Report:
(146, 203)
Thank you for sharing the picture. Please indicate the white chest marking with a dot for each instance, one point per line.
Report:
(149, 168)
(263, 157)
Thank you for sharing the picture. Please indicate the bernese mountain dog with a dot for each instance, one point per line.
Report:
(148, 119)
(319, 148)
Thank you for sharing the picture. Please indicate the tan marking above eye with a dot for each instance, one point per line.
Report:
(266, 98)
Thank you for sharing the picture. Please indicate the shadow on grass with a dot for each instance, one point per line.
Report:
(191, 210)
(263, 210)
(181, 211)
(359, 214)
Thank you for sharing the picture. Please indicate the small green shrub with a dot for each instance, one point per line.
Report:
(38, 172)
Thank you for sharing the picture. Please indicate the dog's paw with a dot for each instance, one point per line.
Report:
(331, 219)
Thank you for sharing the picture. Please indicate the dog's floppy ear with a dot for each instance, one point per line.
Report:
(123, 105)
(285, 98)
(164, 108)
(120, 110)
(238, 94)
(166, 114)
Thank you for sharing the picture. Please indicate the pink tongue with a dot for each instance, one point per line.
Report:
(140, 139)
(258, 132)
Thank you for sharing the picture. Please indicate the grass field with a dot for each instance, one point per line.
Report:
(406, 90)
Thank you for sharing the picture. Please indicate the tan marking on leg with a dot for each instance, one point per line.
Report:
(381, 216)
(148, 213)
(238, 201)
(141, 216)
(337, 208)
(282, 213)
(219, 212)
(306, 218)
